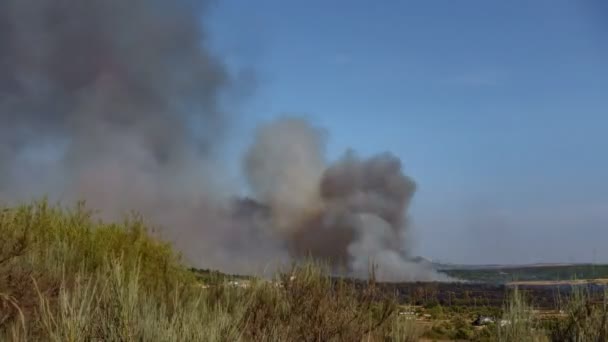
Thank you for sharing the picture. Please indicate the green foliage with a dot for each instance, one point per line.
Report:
(436, 311)
(462, 329)
(441, 330)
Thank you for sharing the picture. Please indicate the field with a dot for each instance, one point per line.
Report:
(65, 276)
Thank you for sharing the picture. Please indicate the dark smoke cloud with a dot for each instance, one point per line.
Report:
(90, 71)
(125, 95)
(118, 102)
(351, 212)
(117, 83)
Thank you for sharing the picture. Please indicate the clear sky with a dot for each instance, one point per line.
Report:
(498, 109)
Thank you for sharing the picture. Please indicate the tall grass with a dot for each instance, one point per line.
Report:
(67, 277)
(113, 306)
(586, 317)
(517, 323)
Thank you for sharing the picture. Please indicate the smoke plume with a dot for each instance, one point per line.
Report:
(119, 103)
(351, 212)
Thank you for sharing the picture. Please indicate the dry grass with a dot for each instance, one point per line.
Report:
(586, 318)
(518, 322)
(66, 277)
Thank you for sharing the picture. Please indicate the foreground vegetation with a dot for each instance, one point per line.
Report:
(65, 276)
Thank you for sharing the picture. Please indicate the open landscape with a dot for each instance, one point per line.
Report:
(67, 277)
(344, 171)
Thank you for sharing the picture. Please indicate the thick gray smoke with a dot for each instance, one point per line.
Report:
(117, 83)
(118, 102)
(351, 213)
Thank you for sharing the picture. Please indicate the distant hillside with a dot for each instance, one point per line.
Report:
(535, 272)
(491, 274)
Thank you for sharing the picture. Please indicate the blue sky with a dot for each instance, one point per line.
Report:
(498, 110)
